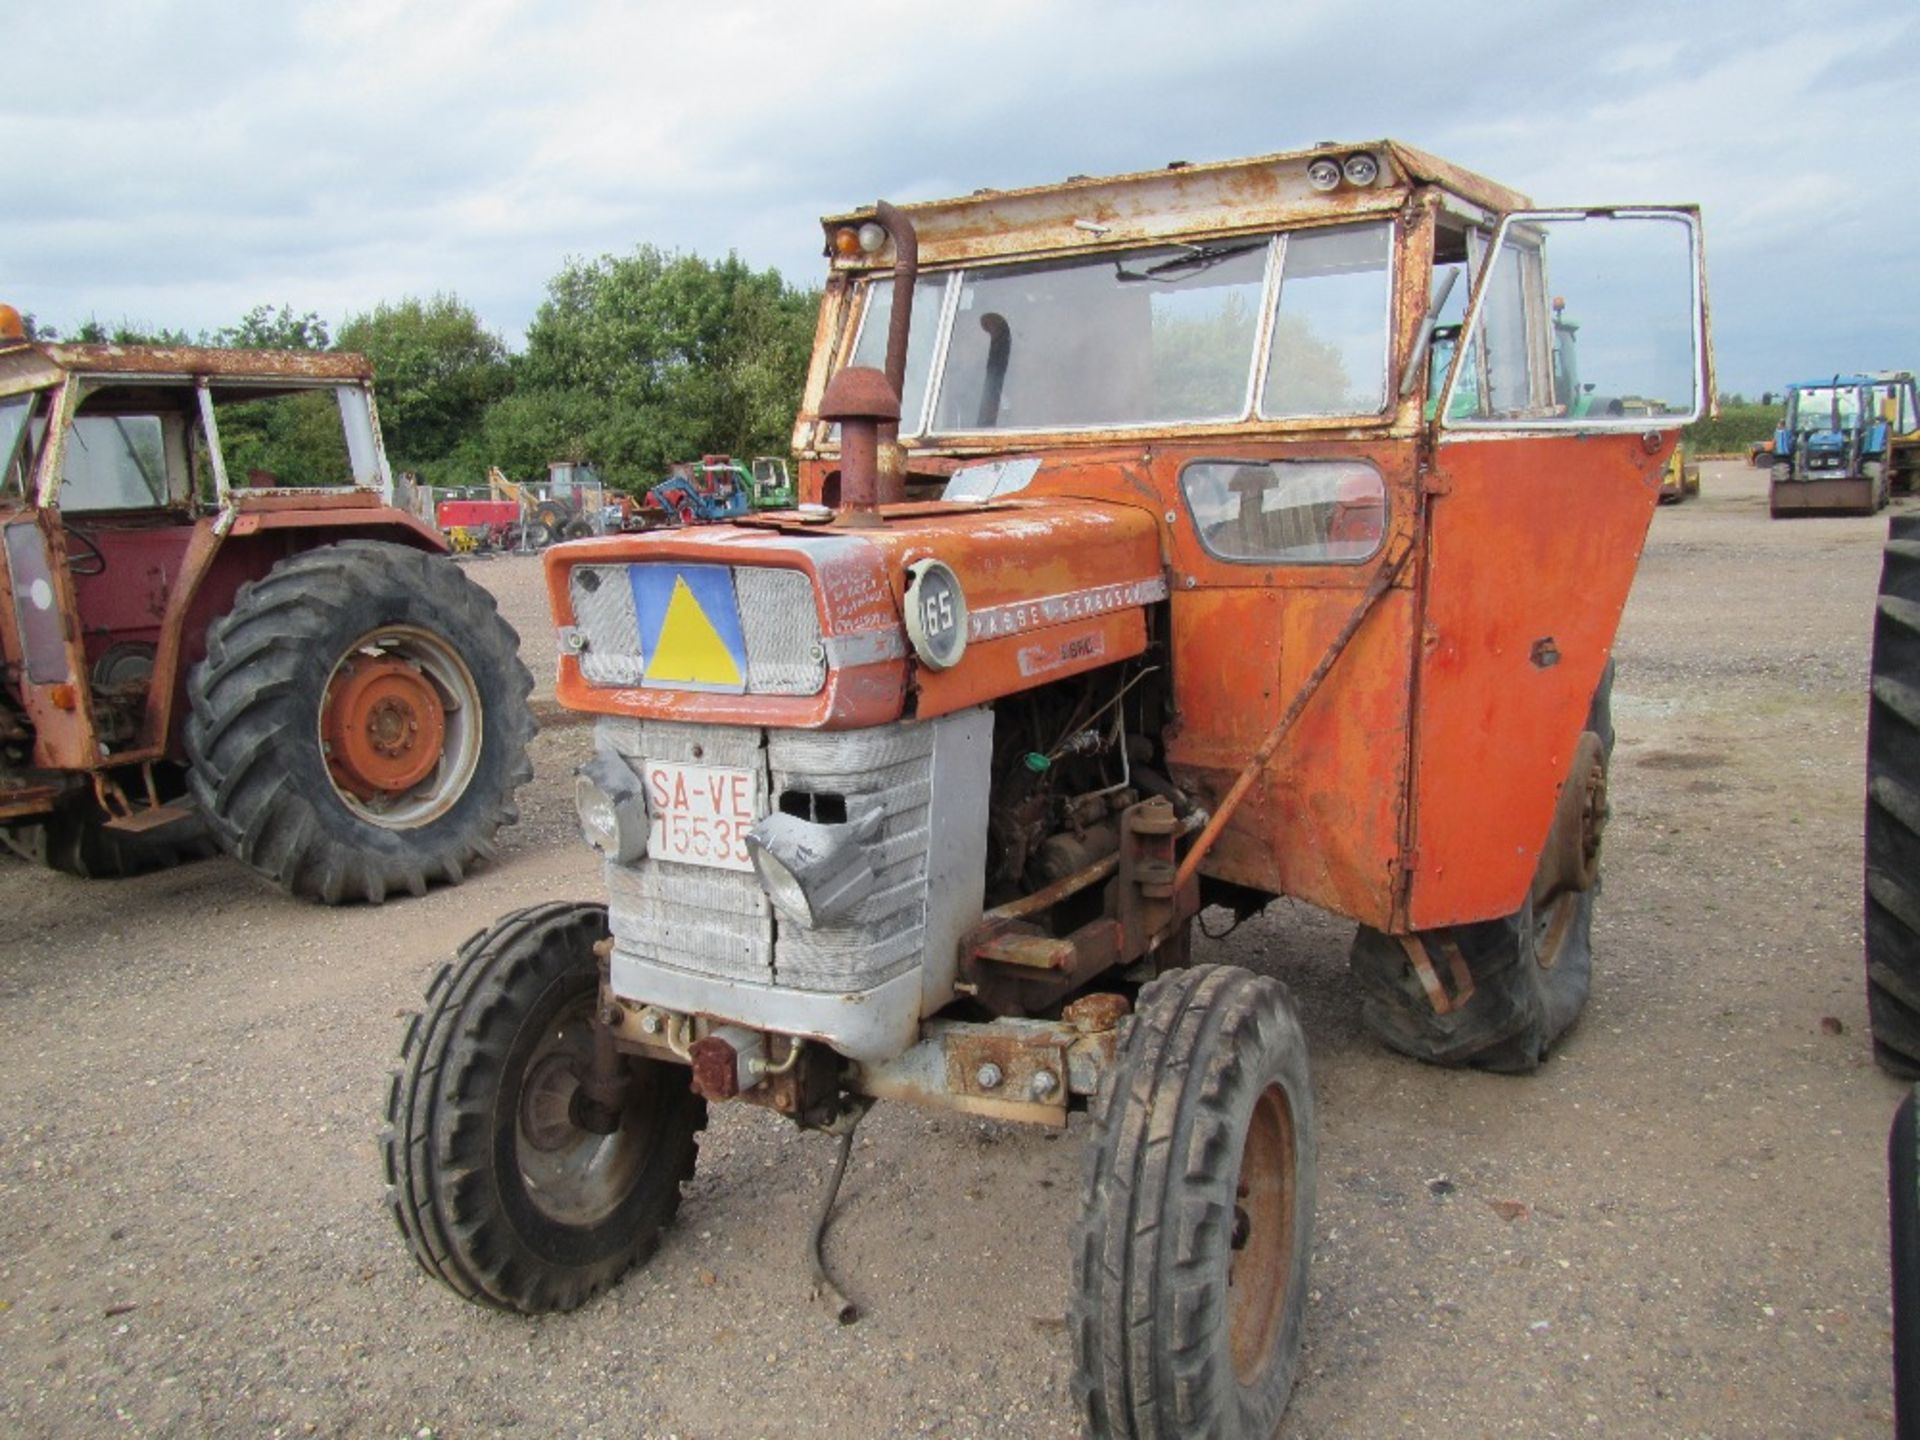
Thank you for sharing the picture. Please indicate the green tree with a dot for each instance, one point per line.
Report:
(291, 439)
(265, 328)
(94, 331)
(437, 369)
(637, 361)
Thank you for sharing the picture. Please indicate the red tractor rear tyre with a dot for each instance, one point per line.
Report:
(360, 723)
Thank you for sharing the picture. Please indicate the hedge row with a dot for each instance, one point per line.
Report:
(1731, 431)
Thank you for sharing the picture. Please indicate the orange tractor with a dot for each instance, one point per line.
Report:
(218, 630)
(1130, 578)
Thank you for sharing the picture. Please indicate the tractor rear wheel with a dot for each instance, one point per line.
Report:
(360, 723)
(1893, 808)
(503, 1195)
(1530, 972)
(1190, 1257)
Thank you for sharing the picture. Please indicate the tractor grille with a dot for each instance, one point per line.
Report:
(773, 609)
(718, 923)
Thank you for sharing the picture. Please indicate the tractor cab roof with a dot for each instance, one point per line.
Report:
(1830, 382)
(1221, 197)
(30, 365)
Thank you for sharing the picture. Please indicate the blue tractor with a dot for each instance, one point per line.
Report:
(717, 489)
(1833, 452)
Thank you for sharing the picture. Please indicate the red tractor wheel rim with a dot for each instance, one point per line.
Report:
(384, 726)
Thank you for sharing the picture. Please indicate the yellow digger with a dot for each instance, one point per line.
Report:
(1680, 479)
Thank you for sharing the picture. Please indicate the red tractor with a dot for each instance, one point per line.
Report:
(220, 630)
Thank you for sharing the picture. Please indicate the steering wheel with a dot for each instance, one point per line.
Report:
(92, 562)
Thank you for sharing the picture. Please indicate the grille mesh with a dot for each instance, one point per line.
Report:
(784, 656)
(777, 620)
(603, 607)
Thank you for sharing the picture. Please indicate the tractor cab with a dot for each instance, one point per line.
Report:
(117, 461)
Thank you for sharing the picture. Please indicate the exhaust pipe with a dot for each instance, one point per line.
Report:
(865, 402)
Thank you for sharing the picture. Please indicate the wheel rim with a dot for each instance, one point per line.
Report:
(1570, 862)
(571, 1175)
(1259, 1276)
(400, 727)
(1552, 923)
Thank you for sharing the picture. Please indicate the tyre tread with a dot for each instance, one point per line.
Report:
(1892, 878)
(1148, 1313)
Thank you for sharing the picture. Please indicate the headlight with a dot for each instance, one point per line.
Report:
(1324, 174)
(612, 805)
(783, 887)
(1361, 170)
(814, 873)
(936, 614)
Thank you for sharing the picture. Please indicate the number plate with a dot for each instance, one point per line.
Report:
(701, 814)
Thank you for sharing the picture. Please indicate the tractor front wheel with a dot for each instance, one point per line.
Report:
(360, 723)
(1190, 1259)
(502, 1193)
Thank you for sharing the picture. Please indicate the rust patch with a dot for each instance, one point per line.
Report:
(716, 1074)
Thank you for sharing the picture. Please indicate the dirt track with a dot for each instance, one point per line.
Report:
(1676, 1228)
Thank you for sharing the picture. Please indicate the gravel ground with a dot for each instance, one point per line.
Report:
(1676, 1228)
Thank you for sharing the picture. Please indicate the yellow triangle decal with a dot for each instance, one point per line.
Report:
(689, 648)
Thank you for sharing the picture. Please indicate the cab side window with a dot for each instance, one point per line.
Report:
(1287, 512)
(16, 446)
(114, 462)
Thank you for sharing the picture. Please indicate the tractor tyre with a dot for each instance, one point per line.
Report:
(552, 517)
(1530, 971)
(1190, 1257)
(1893, 808)
(360, 723)
(501, 1193)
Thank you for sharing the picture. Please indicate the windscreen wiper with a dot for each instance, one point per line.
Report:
(1196, 259)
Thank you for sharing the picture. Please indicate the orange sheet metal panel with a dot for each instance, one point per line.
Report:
(1532, 547)
(1002, 667)
(856, 605)
(1325, 825)
(1053, 588)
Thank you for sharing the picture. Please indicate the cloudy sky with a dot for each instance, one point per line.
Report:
(176, 164)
